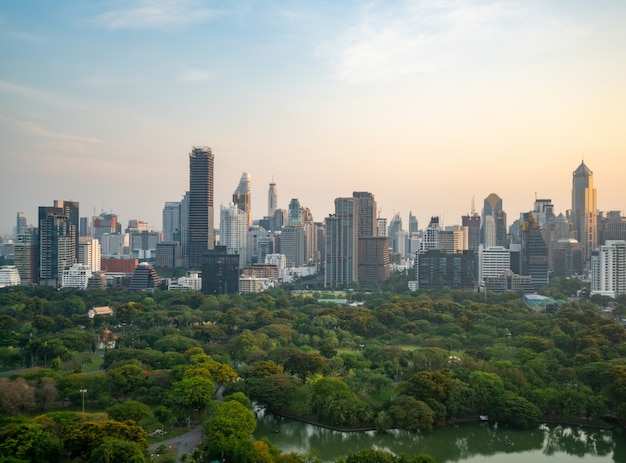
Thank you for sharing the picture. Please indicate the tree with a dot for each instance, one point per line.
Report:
(231, 424)
(126, 379)
(189, 394)
(113, 450)
(302, 364)
(29, 442)
(81, 440)
(16, 396)
(128, 410)
(274, 391)
(409, 413)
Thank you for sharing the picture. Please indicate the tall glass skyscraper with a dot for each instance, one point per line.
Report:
(584, 210)
(200, 227)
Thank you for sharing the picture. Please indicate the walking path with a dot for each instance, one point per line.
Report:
(185, 443)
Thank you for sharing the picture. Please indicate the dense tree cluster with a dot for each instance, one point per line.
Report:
(396, 360)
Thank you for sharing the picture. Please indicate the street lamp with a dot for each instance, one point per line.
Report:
(83, 392)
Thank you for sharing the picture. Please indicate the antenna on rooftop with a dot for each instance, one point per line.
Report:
(473, 205)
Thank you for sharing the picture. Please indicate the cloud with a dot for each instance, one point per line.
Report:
(58, 141)
(388, 40)
(155, 14)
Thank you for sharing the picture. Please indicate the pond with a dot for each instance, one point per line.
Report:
(465, 443)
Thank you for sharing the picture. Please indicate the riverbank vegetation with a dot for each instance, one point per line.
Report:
(391, 359)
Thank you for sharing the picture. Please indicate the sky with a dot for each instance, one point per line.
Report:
(425, 104)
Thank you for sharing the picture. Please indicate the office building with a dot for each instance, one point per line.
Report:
(342, 248)
(77, 276)
(566, 258)
(584, 211)
(58, 240)
(200, 218)
(272, 200)
(493, 261)
(168, 255)
(367, 213)
(611, 226)
(534, 252)
(494, 229)
(20, 224)
(259, 243)
(143, 244)
(26, 256)
(242, 197)
(144, 278)
(472, 222)
(171, 221)
(608, 269)
(89, 253)
(9, 276)
(234, 231)
(373, 260)
(435, 269)
(106, 223)
(220, 272)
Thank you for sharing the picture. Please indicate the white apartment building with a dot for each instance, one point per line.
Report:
(77, 276)
(493, 261)
(608, 269)
(89, 253)
(9, 276)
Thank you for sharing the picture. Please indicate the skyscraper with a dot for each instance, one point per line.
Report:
(534, 257)
(241, 197)
(20, 223)
(58, 240)
(200, 227)
(584, 211)
(493, 232)
(171, 221)
(367, 213)
(233, 231)
(272, 200)
(342, 238)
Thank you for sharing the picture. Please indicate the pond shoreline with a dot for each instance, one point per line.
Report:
(597, 423)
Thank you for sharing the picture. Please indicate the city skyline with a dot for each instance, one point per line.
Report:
(425, 104)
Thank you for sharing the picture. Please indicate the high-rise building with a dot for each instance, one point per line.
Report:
(106, 223)
(200, 226)
(494, 222)
(367, 213)
(27, 256)
(584, 211)
(220, 272)
(472, 222)
(381, 226)
(272, 200)
(430, 240)
(58, 240)
(234, 231)
(292, 244)
(435, 269)
(373, 262)
(242, 198)
(295, 213)
(171, 221)
(566, 258)
(20, 223)
(534, 258)
(395, 227)
(89, 253)
(608, 269)
(342, 238)
(492, 262)
(611, 226)
(143, 244)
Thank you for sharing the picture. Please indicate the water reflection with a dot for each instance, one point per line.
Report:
(462, 443)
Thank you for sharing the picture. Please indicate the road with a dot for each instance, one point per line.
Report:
(185, 443)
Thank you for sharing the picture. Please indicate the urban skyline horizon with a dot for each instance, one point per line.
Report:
(404, 215)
